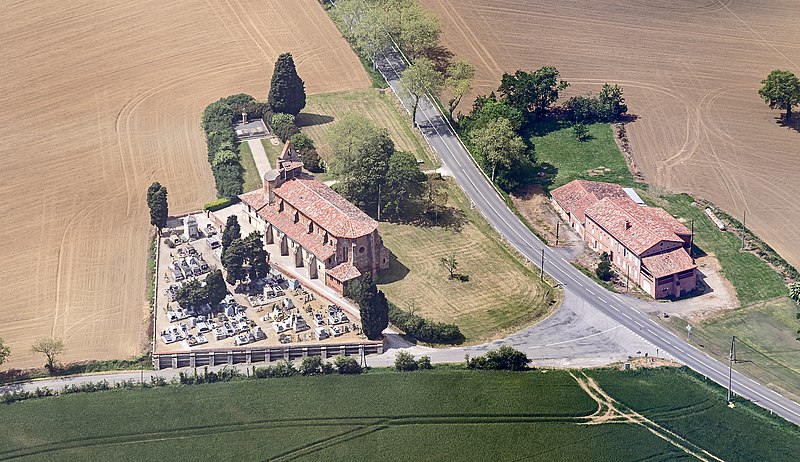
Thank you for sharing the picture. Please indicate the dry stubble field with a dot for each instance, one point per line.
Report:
(691, 70)
(97, 100)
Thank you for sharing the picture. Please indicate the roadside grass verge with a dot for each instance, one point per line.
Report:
(252, 179)
(596, 159)
(501, 295)
(765, 342)
(84, 367)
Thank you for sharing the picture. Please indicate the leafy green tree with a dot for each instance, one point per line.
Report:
(781, 90)
(499, 146)
(612, 100)
(419, 30)
(488, 108)
(424, 363)
(506, 358)
(794, 292)
(349, 14)
(459, 81)
(603, 270)
(218, 116)
(450, 264)
(581, 131)
(231, 232)
(5, 352)
(284, 126)
(287, 90)
(421, 78)
(229, 179)
(216, 290)
(308, 152)
(157, 202)
(192, 293)
(225, 157)
(404, 184)
(370, 35)
(404, 362)
(360, 161)
(532, 92)
(51, 348)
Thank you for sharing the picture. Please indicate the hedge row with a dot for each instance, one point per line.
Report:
(223, 147)
(423, 329)
(220, 204)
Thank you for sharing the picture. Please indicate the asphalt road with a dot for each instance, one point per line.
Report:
(455, 159)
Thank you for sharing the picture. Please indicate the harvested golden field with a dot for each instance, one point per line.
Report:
(691, 71)
(97, 100)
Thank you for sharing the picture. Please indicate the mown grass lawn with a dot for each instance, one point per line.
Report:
(596, 159)
(753, 279)
(502, 294)
(444, 414)
(252, 179)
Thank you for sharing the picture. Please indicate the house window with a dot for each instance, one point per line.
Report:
(296, 216)
(280, 206)
(310, 227)
(325, 238)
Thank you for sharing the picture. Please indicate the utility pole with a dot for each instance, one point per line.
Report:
(691, 242)
(542, 265)
(731, 360)
(744, 225)
(379, 202)
(628, 279)
(557, 226)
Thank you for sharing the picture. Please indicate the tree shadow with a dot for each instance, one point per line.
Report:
(544, 177)
(397, 271)
(794, 124)
(441, 57)
(307, 119)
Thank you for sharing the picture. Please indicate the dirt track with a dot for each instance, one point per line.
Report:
(691, 71)
(97, 100)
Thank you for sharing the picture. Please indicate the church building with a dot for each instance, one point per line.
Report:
(319, 229)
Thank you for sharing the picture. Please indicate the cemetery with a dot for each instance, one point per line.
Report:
(276, 313)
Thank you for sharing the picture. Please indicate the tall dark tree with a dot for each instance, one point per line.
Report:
(157, 202)
(603, 270)
(287, 91)
(216, 290)
(373, 306)
(256, 256)
(192, 293)
(781, 90)
(233, 261)
(231, 232)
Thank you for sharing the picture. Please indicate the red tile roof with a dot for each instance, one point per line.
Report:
(668, 263)
(325, 207)
(344, 272)
(298, 232)
(578, 195)
(636, 227)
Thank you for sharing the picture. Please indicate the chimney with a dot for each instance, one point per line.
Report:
(271, 179)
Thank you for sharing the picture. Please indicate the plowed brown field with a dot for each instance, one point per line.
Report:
(691, 70)
(98, 99)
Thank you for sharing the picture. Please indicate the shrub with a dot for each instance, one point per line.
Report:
(603, 270)
(347, 365)
(229, 179)
(311, 365)
(220, 203)
(505, 358)
(308, 152)
(423, 329)
(424, 363)
(404, 362)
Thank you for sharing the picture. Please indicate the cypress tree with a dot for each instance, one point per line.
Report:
(157, 202)
(287, 92)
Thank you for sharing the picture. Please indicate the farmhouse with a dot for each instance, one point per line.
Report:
(322, 232)
(647, 244)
